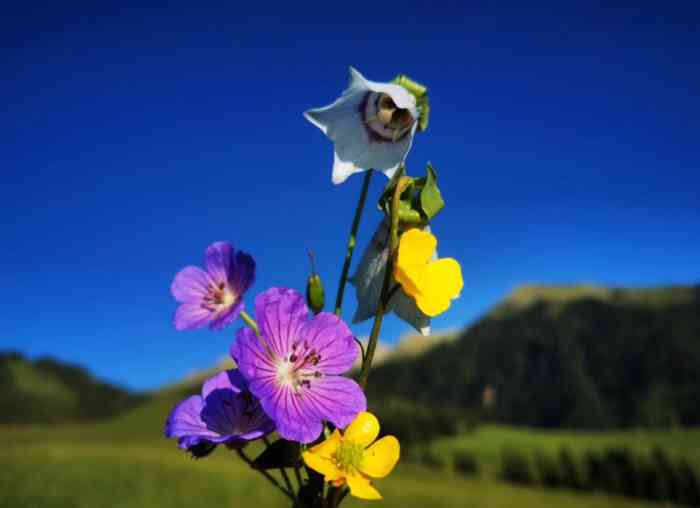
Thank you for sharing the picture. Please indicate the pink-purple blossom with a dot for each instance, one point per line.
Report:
(226, 412)
(295, 366)
(213, 297)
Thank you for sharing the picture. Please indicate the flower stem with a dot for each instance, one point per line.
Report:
(335, 501)
(393, 242)
(250, 322)
(352, 241)
(283, 471)
(267, 475)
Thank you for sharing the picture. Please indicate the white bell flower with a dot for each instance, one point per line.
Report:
(371, 125)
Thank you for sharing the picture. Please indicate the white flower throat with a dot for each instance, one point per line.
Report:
(385, 121)
(298, 369)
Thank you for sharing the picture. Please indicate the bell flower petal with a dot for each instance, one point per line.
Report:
(371, 125)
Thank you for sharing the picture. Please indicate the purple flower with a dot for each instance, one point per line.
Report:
(226, 412)
(214, 297)
(295, 366)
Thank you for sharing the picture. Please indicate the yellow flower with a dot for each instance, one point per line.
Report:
(349, 458)
(432, 284)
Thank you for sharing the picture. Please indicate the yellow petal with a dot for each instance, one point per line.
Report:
(361, 487)
(380, 458)
(443, 282)
(322, 466)
(363, 430)
(416, 247)
(327, 448)
(411, 278)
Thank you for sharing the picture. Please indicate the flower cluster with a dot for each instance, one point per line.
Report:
(290, 367)
(291, 363)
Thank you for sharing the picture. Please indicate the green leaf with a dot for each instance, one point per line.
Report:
(281, 453)
(431, 201)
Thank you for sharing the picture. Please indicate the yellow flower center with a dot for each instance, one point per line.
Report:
(348, 457)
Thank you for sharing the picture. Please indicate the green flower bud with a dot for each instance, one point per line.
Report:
(315, 295)
(420, 202)
(420, 92)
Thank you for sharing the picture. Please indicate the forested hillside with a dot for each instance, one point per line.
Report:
(572, 357)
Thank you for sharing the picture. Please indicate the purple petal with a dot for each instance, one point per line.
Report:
(333, 342)
(185, 420)
(226, 317)
(284, 407)
(334, 398)
(218, 259)
(190, 285)
(250, 357)
(227, 380)
(188, 441)
(280, 312)
(244, 277)
(190, 316)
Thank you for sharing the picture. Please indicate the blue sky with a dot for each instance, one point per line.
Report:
(566, 139)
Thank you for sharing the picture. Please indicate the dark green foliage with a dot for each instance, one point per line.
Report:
(569, 473)
(667, 474)
(417, 423)
(465, 463)
(50, 391)
(596, 478)
(653, 484)
(430, 458)
(515, 467)
(689, 484)
(547, 470)
(281, 453)
(619, 471)
(619, 462)
(629, 359)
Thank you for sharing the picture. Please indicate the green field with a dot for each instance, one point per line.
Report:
(127, 464)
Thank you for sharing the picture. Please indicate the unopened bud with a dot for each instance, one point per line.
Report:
(315, 295)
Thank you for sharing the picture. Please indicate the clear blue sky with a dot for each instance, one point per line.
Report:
(566, 139)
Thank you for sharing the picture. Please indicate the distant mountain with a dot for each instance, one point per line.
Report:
(49, 391)
(571, 356)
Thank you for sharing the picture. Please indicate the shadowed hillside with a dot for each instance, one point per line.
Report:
(49, 391)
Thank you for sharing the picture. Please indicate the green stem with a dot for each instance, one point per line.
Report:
(393, 242)
(267, 475)
(250, 322)
(352, 241)
(300, 483)
(336, 497)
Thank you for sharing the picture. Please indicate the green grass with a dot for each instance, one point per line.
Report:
(125, 464)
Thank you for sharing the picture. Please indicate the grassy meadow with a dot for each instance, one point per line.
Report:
(126, 463)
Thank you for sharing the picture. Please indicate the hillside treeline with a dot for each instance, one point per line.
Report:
(585, 363)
